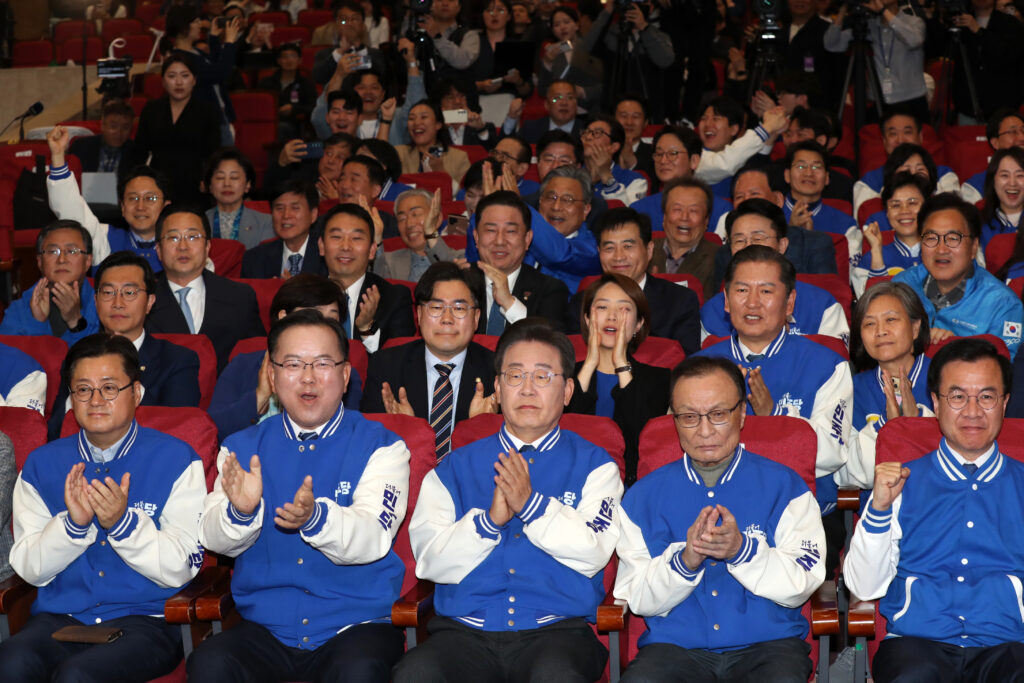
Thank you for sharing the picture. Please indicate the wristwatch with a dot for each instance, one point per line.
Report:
(628, 367)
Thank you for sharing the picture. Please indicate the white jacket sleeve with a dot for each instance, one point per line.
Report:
(833, 323)
(717, 166)
(970, 194)
(448, 549)
(364, 531)
(651, 586)
(870, 565)
(949, 182)
(170, 555)
(831, 420)
(30, 393)
(44, 544)
(861, 193)
(67, 203)
(788, 573)
(222, 529)
(582, 537)
(859, 470)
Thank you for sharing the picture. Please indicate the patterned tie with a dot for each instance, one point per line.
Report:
(186, 309)
(751, 357)
(970, 468)
(294, 264)
(495, 320)
(308, 436)
(441, 410)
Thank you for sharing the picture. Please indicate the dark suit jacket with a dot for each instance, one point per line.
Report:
(87, 149)
(231, 314)
(809, 44)
(645, 398)
(404, 366)
(675, 312)
(531, 131)
(809, 251)
(394, 312)
(472, 137)
(542, 295)
(170, 375)
(264, 260)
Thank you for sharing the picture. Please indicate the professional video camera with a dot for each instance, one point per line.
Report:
(768, 12)
(114, 73)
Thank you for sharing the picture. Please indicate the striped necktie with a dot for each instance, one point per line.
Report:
(441, 410)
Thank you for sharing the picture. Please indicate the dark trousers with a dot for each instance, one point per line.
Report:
(774, 661)
(249, 652)
(564, 652)
(149, 648)
(909, 660)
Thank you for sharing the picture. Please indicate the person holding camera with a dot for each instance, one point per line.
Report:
(351, 53)
(565, 58)
(897, 41)
(455, 47)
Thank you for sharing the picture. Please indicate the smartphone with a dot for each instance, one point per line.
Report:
(364, 62)
(497, 81)
(314, 150)
(565, 46)
(457, 225)
(435, 151)
(896, 385)
(452, 116)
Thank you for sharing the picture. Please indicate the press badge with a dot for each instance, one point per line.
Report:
(887, 83)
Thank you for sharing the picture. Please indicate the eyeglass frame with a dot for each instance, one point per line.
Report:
(555, 198)
(78, 393)
(108, 293)
(700, 416)
(445, 307)
(548, 375)
(149, 198)
(967, 400)
(190, 237)
(55, 252)
(312, 365)
(959, 237)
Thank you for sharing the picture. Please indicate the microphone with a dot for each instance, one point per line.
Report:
(34, 110)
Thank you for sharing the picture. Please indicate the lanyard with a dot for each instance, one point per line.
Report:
(886, 59)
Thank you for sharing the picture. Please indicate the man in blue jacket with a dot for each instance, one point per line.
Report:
(515, 531)
(941, 542)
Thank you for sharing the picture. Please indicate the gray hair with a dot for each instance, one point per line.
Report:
(574, 173)
(414, 192)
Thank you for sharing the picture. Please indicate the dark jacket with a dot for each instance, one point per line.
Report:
(87, 149)
(264, 260)
(809, 251)
(394, 311)
(542, 295)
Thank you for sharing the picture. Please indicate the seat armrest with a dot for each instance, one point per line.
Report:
(862, 618)
(825, 610)
(180, 608)
(216, 602)
(848, 498)
(411, 609)
(612, 615)
(13, 590)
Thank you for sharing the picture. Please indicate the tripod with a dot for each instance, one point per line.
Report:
(858, 70)
(625, 62)
(766, 57)
(954, 45)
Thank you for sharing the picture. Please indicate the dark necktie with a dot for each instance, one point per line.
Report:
(308, 436)
(526, 448)
(346, 324)
(145, 245)
(441, 410)
(295, 264)
(495, 320)
(751, 357)
(970, 468)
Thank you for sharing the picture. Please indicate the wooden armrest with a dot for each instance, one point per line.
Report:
(216, 602)
(611, 616)
(861, 618)
(825, 610)
(849, 498)
(180, 608)
(13, 590)
(411, 609)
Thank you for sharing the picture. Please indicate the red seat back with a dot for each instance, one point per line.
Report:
(116, 28)
(71, 50)
(967, 149)
(868, 209)
(834, 285)
(660, 352)
(227, 257)
(840, 205)
(1000, 345)
(265, 289)
(32, 53)
(315, 18)
(292, 34)
(435, 180)
(72, 28)
(474, 152)
(275, 18)
(138, 46)
(26, 429)
(255, 125)
(203, 347)
(999, 250)
(47, 351)
(147, 13)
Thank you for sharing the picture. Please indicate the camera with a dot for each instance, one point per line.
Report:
(623, 5)
(420, 7)
(768, 11)
(114, 76)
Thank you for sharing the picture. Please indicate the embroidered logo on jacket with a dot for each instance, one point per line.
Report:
(787, 405)
(569, 498)
(603, 520)
(343, 489)
(148, 508)
(387, 515)
(810, 557)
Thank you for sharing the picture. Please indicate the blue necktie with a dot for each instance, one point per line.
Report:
(186, 309)
(441, 410)
(495, 320)
(294, 264)
(751, 357)
(970, 468)
(346, 324)
(526, 448)
(308, 436)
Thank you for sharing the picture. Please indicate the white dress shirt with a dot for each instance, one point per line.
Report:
(515, 312)
(196, 299)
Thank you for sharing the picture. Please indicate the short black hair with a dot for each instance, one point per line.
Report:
(903, 179)
(384, 153)
(505, 198)
(689, 181)
(617, 133)
(902, 154)
(815, 119)
(893, 111)
(634, 97)
(307, 317)
(797, 82)
(446, 271)
(127, 258)
(950, 200)
(702, 366)
(356, 77)
(223, 154)
(162, 182)
(687, 136)
(614, 218)
(758, 253)
(967, 350)
(178, 57)
(475, 175)
(349, 100)
(996, 120)
(342, 139)
(536, 329)
(349, 209)
(525, 153)
(806, 146)
(117, 108)
(64, 224)
(308, 290)
(300, 187)
(193, 209)
(288, 47)
(102, 344)
(755, 166)
(374, 170)
(758, 206)
(557, 135)
(727, 107)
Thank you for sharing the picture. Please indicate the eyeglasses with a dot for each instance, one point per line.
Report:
(754, 238)
(1012, 131)
(148, 198)
(896, 204)
(560, 161)
(54, 252)
(175, 238)
(128, 293)
(719, 416)
(459, 309)
(501, 156)
(108, 391)
(558, 98)
(670, 154)
(957, 400)
(541, 378)
(552, 198)
(321, 366)
(815, 168)
(595, 133)
(952, 239)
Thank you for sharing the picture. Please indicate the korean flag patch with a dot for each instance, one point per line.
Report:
(1011, 329)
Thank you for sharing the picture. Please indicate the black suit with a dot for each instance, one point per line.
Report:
(542, 295)
(231, 314)
(809, 251)
(806, 53)
(531, 131)
(394, 311)
(264, 260)
(170, 376)
(675, 312)
(87, 149)
(405, 366)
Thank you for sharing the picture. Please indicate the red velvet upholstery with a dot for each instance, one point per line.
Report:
(226, 256)
(203, 347)
(265, 290)
(999, 250)
(47, 351)
(26, 429)
(932, 349)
